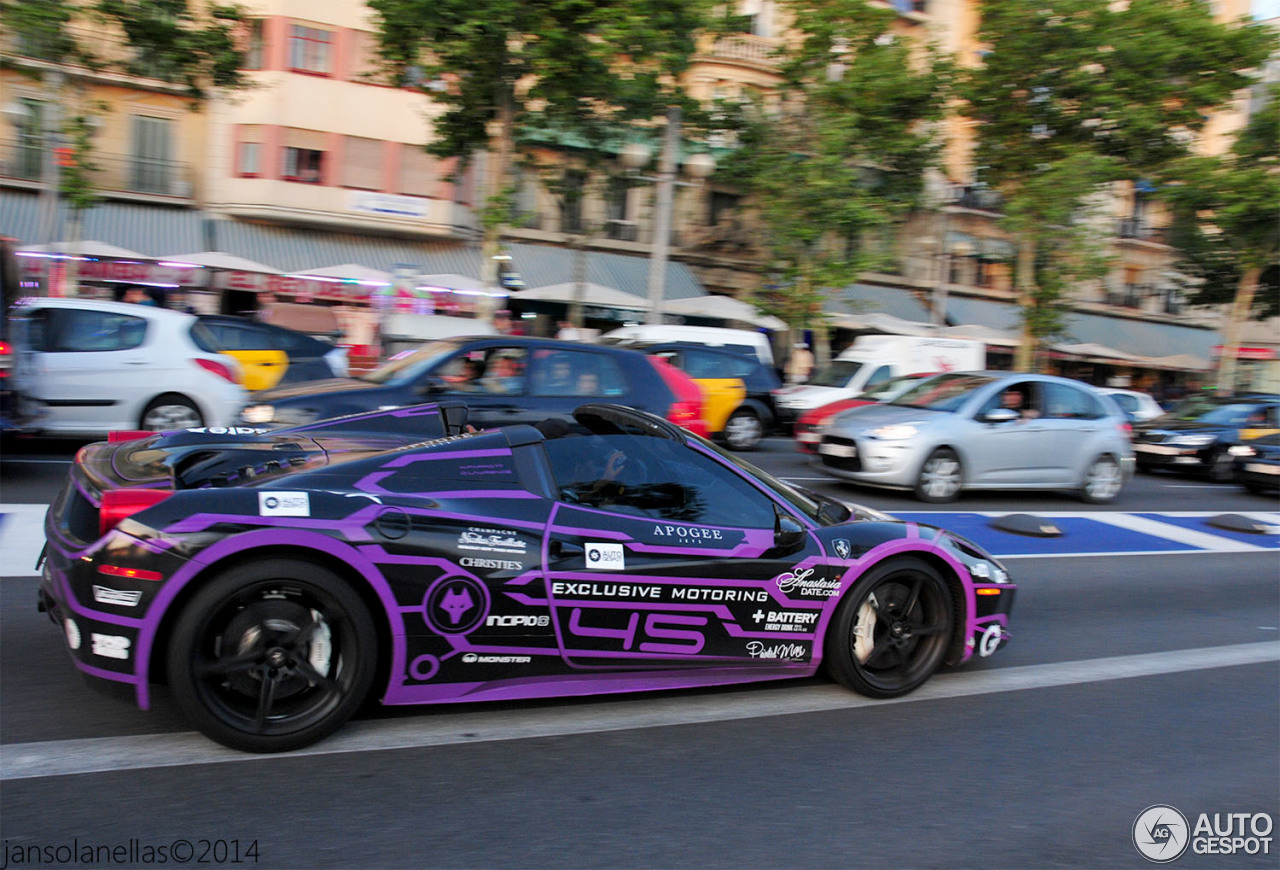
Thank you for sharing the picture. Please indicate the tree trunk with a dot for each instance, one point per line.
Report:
(503, 130)
(1024, 359)
(1240, 310)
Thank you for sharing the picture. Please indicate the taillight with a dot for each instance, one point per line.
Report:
(220, 369)
(128, 435)
(119, 504)
(6, 358)
(129, 573)
(1126, 429)
(688, 415)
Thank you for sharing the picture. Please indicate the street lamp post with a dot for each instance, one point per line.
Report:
(635, 156)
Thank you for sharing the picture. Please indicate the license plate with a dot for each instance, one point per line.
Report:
(1261, 468)
(841, 451)
(1156, 448)
(808, 437)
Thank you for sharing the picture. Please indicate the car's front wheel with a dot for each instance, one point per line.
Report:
(744, 430)
(892, 630)
(1102, 481)
(272, 655)
(1222, 467)
(940, 477)
(167, 413)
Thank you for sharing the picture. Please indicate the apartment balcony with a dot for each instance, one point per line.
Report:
(125, 176)
(1138, 229)
(977, 197)
(742, 49)
(89, 53)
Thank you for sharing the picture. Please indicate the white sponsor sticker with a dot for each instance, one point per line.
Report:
(124, 598)
(284, 504)
(606, 557)
(110, 646)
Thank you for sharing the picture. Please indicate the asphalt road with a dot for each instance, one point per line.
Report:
(1137, 676)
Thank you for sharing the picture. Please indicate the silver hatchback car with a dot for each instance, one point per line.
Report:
(985, 430)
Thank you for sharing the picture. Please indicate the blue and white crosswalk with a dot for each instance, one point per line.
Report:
(1084, 533)
(1110, 533)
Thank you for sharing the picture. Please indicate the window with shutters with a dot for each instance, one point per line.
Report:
(362, 163)
(310, 50)
(151, 161)
(417, 172)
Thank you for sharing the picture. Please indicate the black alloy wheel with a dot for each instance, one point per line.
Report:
(272, 656)
(892, 630)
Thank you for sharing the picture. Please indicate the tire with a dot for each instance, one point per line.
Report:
(743, 430)
(1221, 467)
(892, 630)
(1102, 482)
(272, 656)
(940, 478)
(170, 412)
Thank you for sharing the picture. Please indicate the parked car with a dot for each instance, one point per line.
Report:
(739, 387)
(503, 379)
(807, 430)
(507, 564)
(1138, 407)
(985, 430)
(87, 367)
(1257, 462)
(1198, 434)
(744, 341)
(271, 355)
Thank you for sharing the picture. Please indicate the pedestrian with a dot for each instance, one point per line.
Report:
(568, 332)
(800, 365)
(138, 296)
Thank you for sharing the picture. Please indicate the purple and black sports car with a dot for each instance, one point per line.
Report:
(274, 580)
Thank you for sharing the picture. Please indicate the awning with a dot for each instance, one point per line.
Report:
(724, 308)
(84, 249)
(854, 302)
(592, 294)
(1250, 353)
(222, 261)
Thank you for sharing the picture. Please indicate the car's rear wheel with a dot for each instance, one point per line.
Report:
(1102, 481)
(167, 413)
(941, 477)
(272, 656)
(892, 630)
(743, 430)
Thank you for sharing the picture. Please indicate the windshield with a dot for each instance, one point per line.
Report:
(835, 374)
(890, 388)
(410, 365)
(942, 393)
(1218, 413)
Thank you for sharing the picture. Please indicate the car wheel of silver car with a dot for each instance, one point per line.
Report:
(1102, 481)
(940, 477)
(171, 412)
(272, 656)
(744, 430)
(892, 630)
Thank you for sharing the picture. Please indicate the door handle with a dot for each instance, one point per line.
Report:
(561, 550)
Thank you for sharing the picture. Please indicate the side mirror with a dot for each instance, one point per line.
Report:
(788, 534)
(1000, 415)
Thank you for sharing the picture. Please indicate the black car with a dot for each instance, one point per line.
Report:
(1258, 463)
(279, 580)
(1199, 433)
(752, 417)
(271, 355)
(502, 379)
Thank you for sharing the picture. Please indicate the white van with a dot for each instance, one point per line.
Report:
(742, 340)
(873, 359)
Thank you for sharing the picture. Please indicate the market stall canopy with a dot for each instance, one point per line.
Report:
(457, 283)
(879, 321)
(725, 308)
(85, 248)
(346, 272)
(221, 260)
(988, 335)
(592, 294)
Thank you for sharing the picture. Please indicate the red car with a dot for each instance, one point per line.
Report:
(807, 428)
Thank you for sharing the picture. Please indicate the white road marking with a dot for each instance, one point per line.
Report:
(436, 728)
(21, 538)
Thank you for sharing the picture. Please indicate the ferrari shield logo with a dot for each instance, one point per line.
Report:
(842, 548)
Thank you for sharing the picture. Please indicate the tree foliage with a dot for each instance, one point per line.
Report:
(840, 155)
(193, 45)
(1075, 94)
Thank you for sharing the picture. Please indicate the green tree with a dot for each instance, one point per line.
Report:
(1076, 94)
(838, 159)
(514, 76)
(1227, 227)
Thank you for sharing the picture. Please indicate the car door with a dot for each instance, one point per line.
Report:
(85, 370)
(673, 561)
(1008, 452)
(1074, 431)
(491, 378)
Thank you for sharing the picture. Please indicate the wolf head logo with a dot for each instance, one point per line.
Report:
(455, 602)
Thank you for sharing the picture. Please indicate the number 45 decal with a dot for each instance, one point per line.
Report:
(653, 628)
